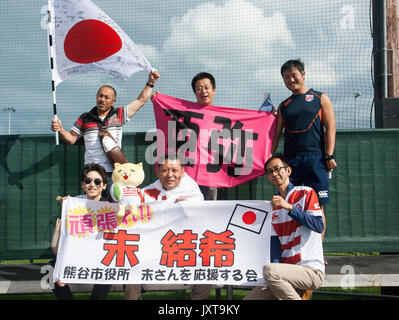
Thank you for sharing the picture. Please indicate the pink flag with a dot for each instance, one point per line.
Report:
(220, 147)
(85, 39)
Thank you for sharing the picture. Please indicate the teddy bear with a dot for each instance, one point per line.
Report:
(126, 178)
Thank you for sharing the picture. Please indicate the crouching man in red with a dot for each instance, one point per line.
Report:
(172, 184)
(296, 243)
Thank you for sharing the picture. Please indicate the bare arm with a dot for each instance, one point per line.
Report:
(68, 137)
(277, 132)
(145, 94)
(328, 119)
(61, 199)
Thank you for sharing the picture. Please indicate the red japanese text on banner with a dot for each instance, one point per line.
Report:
(184, 243)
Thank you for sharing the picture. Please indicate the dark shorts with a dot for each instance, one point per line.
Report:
(310, 170)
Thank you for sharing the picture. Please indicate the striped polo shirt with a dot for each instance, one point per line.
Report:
(299, 244)
(87, 125)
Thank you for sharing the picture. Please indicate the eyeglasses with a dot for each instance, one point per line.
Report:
(97, 181)
(274, 170)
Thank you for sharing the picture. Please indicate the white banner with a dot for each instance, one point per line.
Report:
(191, 242)
(86, 39)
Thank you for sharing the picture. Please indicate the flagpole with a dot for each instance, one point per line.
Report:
(51, 50)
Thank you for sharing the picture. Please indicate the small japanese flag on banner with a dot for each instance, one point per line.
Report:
(248, 218)
(85, 39)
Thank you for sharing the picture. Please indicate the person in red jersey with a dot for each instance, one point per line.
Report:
(175, 185)
(297, 261)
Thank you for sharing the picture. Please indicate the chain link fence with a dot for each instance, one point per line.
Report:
(242, 42)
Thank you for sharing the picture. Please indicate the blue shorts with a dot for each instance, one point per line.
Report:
(310, 170)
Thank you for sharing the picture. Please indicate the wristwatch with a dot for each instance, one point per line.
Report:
(328, 157)
(148, 84)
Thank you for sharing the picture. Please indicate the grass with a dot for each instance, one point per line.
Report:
(153, 295)
(363, 293)
(340, 294)
(20, 261)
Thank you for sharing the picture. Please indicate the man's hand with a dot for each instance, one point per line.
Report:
(279, 202)
(61, 199)
(153, 77)
(56, 125)
(67, 137)
(180, 199)
(331, 164)
(154, 94)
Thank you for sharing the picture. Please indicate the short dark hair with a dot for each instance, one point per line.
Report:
(203, 75)
(108, 86)
(277, 156)
(297, 63)
(168, 156)
(94, 167)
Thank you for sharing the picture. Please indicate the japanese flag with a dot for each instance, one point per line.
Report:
(248, 218)
(85, 39)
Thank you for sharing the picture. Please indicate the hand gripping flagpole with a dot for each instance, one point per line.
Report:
(51, 53)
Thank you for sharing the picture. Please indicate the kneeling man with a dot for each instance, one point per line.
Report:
(297, 224)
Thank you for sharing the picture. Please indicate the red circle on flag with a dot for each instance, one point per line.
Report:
(249, 217)
(91, 41)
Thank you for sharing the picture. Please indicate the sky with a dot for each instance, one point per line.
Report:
(242, 43)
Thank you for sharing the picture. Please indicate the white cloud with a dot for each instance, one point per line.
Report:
(318, 74)
(150, 52)
(215, 36)
(321, 74)
(269, 76)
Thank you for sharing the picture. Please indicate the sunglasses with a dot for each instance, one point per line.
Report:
(97, 181)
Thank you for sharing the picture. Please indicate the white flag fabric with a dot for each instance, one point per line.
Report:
(189, 242)
(85, 39)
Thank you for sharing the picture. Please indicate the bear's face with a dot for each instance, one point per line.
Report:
(128, 174)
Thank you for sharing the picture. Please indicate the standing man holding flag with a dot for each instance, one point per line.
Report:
(103, 116)
(84, 39)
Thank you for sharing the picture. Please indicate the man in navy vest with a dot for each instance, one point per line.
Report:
(308, 120)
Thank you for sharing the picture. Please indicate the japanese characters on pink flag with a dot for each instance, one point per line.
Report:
(219, 146)
(85, 39)
(163, 242)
